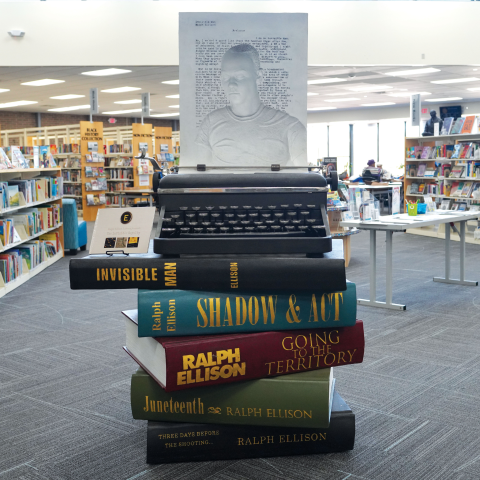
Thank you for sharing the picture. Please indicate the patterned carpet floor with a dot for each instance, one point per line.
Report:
(64, 382)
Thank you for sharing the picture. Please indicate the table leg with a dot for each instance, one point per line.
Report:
(150, 199)
(447, 278)
(346, 250)
(389, 271)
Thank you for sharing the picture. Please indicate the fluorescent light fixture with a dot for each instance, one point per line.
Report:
(474, 89)
(164, 114)
(4, 90)
(67, 97)
(443, 99)
(407, 94)
(341, 99)
(369, 88)
(326, 80)
(172, 82)
(416, 71)
(127, 102)
(309, 94)
(321, 108)
(337, 94)
(456, 80)
(118, 112)
(120, 89)
(41, 83)
(105, 72)
(174, 106)
(377, 104)
(175, 96)
(67, 109)
(16, 104)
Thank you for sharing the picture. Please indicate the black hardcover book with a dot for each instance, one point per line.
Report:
(248, 273)
(171, 442)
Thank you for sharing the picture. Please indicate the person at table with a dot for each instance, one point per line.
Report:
(371, 168)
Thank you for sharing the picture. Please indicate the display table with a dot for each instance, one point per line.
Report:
(400, 223)
(136, 193)
(378, 189)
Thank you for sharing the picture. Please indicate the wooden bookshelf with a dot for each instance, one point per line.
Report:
(29, 174)
(90, 132)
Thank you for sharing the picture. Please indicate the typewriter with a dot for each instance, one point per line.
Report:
(258, 213)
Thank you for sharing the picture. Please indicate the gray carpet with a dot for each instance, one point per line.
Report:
(64, 382)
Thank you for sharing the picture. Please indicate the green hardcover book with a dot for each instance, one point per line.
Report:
(297, 400)
(163, 313)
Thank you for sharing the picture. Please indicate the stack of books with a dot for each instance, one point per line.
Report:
(236, 356)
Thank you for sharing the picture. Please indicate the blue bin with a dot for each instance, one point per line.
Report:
(421, 208)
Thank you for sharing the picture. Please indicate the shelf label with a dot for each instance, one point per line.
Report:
(93, 101)
(146, 103)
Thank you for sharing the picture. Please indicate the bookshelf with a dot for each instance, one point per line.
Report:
(47, 180)
(439, 187)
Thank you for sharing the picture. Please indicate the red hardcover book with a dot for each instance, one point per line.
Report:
(177, 363)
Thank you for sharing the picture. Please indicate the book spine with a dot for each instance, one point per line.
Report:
(179, 312)
(266, 402)
(215, 360)
(189, 442)
(209, 274)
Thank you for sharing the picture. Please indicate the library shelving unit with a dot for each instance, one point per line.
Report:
(29, 174)
(437, 184)
(90, 132)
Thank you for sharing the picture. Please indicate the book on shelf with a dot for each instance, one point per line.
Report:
(412, 170)
(430, 172)
(179, 363)
(458, 125)
(454, 188)
(90, 201)
(468, 124)
(446, 170)
(88, 172)
(421, 188)
(201, 313)
(18, 160)
(421, 169)
(445, 204)
(4, 160)
(467, 189)
(457, 171)
(447, 126)
(153, 272)
(457, 205)
(13, 195)
(456, 151)
(169, 442)
(476, 190)
(426, 151)
(294, 400)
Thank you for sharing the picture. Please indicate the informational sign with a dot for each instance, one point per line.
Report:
(415, 109)
(146, 103)
(396, 200)
(93, 101)
(127, 229)
(243, 89)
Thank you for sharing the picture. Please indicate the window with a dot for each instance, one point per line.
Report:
(364, 145)
(317, 142)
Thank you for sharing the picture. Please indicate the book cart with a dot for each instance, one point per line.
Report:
(21, 236)
(417, 185)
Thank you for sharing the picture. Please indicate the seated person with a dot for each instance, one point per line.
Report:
(371, 171)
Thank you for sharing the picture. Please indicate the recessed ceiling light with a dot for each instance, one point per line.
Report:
(106, 71)
(341, 99)
(174, 106)
(118, 112)
(16, 104)
(322, 108)
(407, 94)
(456, 80)
(172, 82)
(377, 104)
(326, 80)
(475, 69)
(369, 88)
(67, 97)
(67, 109)
(474, 89)
(4, 90)
(417, 71)
(126, 102)
(164, 115)
(120, 89)
(443, 99)
(41, 83)
(172, 96)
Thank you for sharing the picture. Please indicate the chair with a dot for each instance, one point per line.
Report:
(74, 230)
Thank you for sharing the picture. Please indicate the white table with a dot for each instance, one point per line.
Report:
(400, 223)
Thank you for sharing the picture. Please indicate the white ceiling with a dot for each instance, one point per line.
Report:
(149, 79)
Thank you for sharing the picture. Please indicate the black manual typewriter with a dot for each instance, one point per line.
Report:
(263, 213)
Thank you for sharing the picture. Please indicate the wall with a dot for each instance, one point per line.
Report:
(146, 33)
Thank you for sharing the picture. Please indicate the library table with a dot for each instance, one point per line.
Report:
(400, 223)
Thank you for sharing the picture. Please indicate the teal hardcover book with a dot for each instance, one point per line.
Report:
(164, 313)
